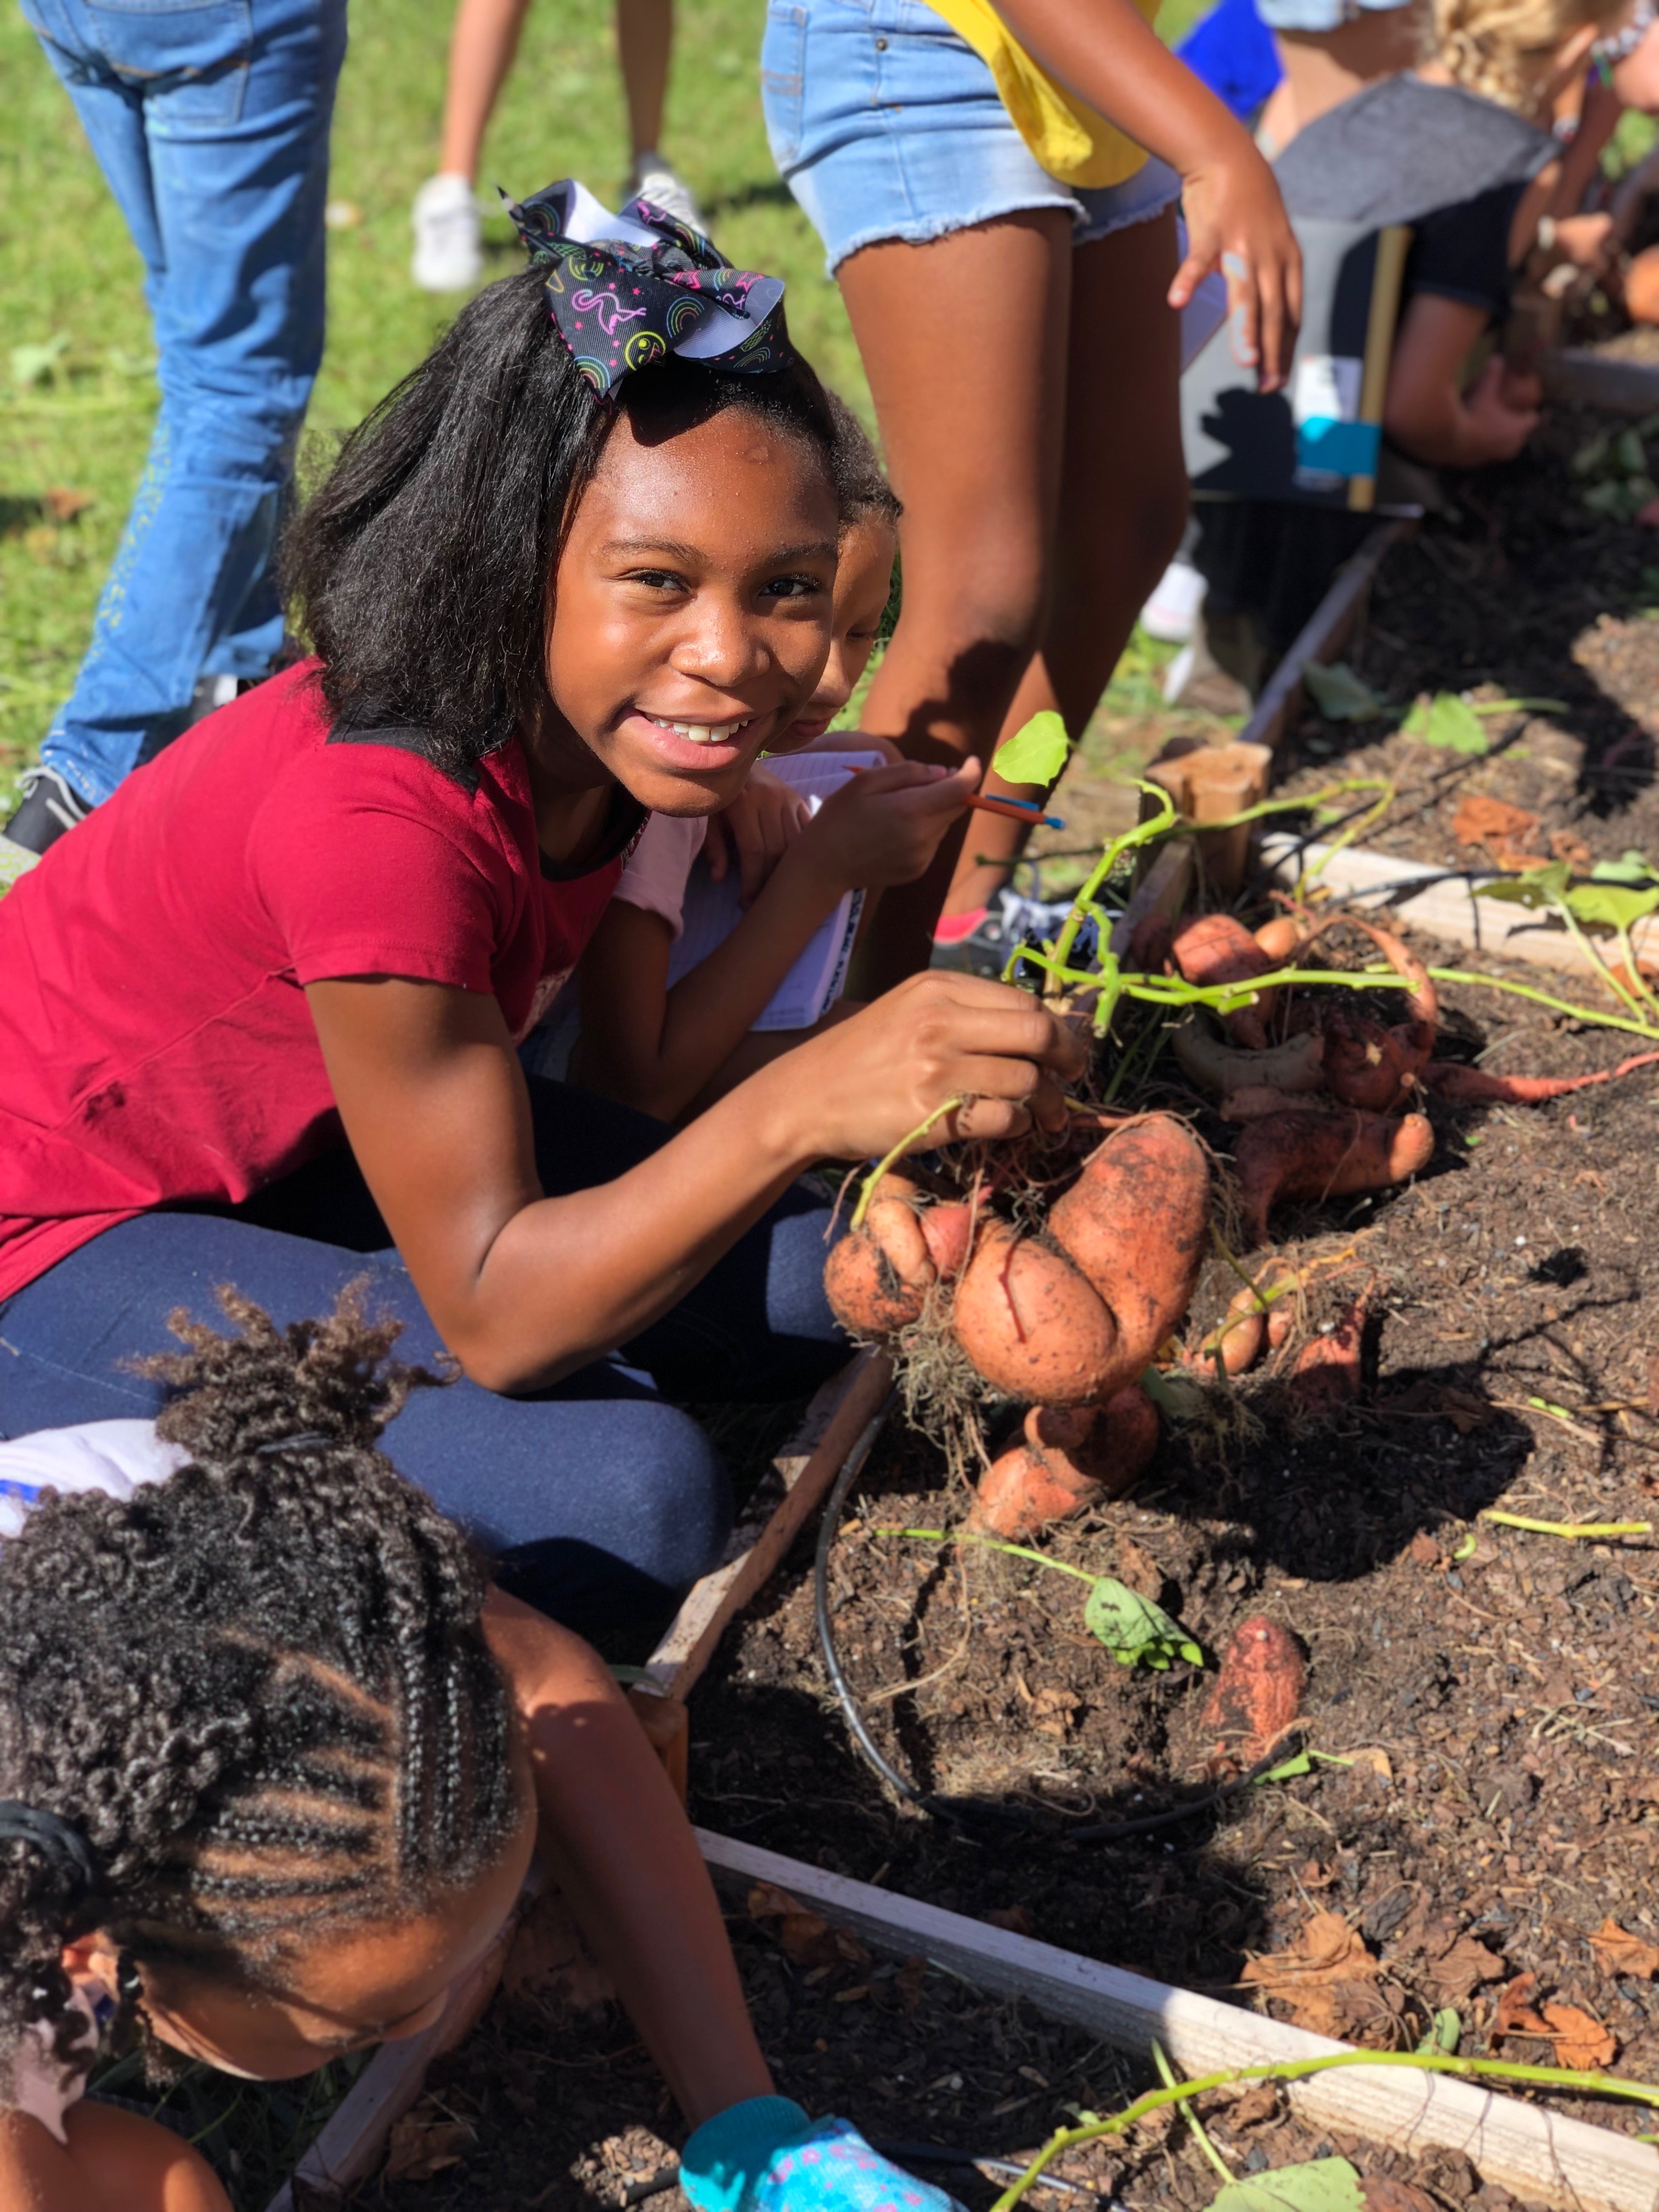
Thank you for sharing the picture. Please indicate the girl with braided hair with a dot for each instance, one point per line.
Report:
(261, 1009)
(274, 1759)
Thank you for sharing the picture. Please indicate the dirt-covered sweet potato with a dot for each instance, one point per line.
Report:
(1032, 1325)
(1136, 1221)
(1319, 1156)
(1216, 949)
(1070, 1457)
(878, 1278)
(1205, 1059)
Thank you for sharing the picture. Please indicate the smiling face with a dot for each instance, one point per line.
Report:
(692, 614)
(345, 1990)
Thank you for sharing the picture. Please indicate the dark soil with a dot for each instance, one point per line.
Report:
(546, 2110)
(1523, 593)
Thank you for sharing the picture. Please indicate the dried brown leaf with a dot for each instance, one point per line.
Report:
(1463, 1967)
(1618, 1952)
(425, 2143)
(1580, 2040)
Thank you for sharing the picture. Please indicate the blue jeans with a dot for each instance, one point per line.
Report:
(600, 1500)
(210, 123)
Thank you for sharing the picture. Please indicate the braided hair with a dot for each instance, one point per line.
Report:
(260, 1689)
(1498, 47)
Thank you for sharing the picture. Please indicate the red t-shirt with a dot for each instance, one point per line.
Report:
(156, 1044)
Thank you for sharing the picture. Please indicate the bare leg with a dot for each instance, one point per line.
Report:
(1122, 503)
(481, 50)
(963, 343)
(645, 38)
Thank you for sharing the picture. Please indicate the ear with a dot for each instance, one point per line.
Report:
(91, 1958)
(1572, 55)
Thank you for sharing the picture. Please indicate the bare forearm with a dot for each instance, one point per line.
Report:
(615, 1840)
(1105, 53)
(567, 1280)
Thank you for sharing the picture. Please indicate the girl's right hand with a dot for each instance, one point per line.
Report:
(1236, 221)
(994, 1057)
(884, 824)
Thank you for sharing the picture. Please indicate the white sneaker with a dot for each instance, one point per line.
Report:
(654, 180)
(1172, 609)
(448, 251)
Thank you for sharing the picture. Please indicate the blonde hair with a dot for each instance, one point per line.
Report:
(1500, 48)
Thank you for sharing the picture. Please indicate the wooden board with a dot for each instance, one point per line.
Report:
(1323, 636)
(1161, 892)
(350, 2145)
(1588, 379)
(1523, 2147)
(1444, 902)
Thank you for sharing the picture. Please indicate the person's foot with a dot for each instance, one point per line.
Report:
(448, 248)
(979, 942)
(49, 806)
(654, 180)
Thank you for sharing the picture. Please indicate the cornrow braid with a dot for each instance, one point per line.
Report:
(259, 1689)
(1497, 47)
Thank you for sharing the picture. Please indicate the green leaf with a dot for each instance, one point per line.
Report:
(1444, 2035)
(1466, 1546)
(1134, 1630)
(1633, 454)
(1611, 906)
(1300, 1762)
(1537, 887)
(1632, 866)
(1036, 753)
(1340, 694)
(1321, 2185)
(1447, 721)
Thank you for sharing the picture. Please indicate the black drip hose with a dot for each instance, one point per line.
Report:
(942, 1809)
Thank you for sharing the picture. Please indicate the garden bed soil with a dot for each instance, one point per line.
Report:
(1522, 593)
(560, 2110)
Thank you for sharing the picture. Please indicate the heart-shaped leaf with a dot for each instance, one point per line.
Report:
(1037, 753)
(1340, 694)
(1135, 1631)
(1448, 721)
(1321, 2185)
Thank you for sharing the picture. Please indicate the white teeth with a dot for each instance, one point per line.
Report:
(699, 733)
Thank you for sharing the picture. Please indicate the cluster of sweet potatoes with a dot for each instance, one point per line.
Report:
(1064, 1318)
(1323, 1088)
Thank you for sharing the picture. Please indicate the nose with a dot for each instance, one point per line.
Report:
(723, 644)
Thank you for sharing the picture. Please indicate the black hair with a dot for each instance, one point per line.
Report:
(260, 1689)
(421, 566)
(861, 482)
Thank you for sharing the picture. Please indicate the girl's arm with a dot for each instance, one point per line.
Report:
(1107, 54)
(524, 1289)
(1428, 413)
(656, 1048)
(616, 1839)
(114, 2162)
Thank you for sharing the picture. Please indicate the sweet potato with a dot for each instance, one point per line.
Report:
(1216, 949)
(948, 1231)
(1071, 1457)
(1032, 1326)
(1327, 1374)
(1238, 1336)
(1281, 938)
(1370, 1066)
(1322, 1156)
(1296, 1065)
(1135, 1222)
(878, 1278)
(1256, 1101)
(1258, 1692)
(1474, 1086)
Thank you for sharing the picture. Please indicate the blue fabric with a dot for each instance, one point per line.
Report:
(1231, 50)
(767, 2156)
(886, 125)
(602, 1500)
(1342, 449)
(210, 123)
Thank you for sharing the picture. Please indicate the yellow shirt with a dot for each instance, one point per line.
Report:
(1072, 142)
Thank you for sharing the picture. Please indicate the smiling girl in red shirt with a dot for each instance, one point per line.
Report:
(261, 1009)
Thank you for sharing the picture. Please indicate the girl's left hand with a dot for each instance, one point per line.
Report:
(1236, 221)
(767, 2156)
(754, 831)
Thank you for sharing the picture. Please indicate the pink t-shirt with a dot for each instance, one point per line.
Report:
(660, 866)
(157, 1043)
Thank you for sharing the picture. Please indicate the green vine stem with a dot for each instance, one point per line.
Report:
(991, 1544)
(1592, 1015)
(867, 1190)
(1298, 2069)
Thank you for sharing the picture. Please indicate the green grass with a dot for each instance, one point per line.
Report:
(68, 270)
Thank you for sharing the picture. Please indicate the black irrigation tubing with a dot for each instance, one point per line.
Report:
(1004, 2169)
(943, 1808)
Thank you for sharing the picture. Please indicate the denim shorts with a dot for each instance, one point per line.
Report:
(885, 124)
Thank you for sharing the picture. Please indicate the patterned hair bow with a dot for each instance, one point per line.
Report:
(630, 290)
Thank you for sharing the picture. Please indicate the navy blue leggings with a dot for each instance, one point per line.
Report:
(600, 1500)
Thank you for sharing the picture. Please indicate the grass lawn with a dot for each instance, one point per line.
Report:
(77, 392)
